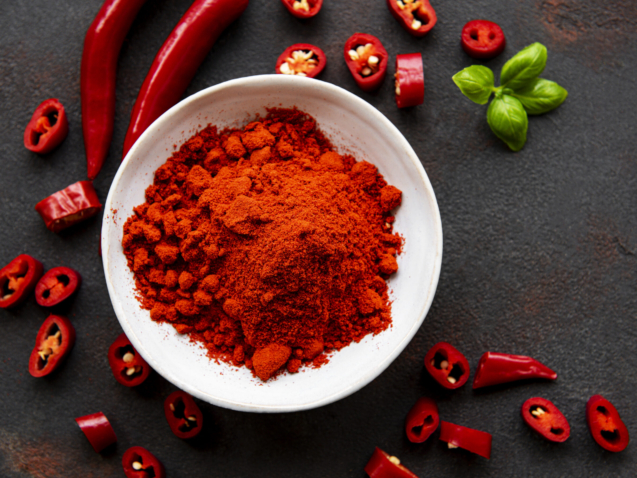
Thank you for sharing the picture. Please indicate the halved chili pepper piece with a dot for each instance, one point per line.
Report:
(383, 465)
(53, 343)
(138, 462)
(183, 415)
(422, 420)
(366, 59)
(48, 127)
(301, 59)
(69, 206)
(18, 279)
(98, 430)
(129, 368)
(447, 365)
(56, 286)
(475, 441)
(606, 425)
(496, 368)
(482, 39)
(303, 8)
(416, 16)
(546, 419)
(410, 80)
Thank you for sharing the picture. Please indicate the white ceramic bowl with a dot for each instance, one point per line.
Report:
(353, 126)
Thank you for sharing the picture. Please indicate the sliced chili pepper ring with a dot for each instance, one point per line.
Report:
(48, 127)
(366, 59)
(605, 424)
(57, 285)
(53, 343)
(383, 465)
(303, 8)
(129, 368)
(418, 17)
(97, 430)
(410, 80)
(18, 279)
(69, 206)
(482, 39)
(447, 365)
(496, 368)
(546, 419)
(138, 462)
(475, 441)
(301, 59)
(422, 420)
(183, 415)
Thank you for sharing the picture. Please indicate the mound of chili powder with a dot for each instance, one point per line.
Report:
(266, 245)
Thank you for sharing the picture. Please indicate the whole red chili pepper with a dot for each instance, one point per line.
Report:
(366, 59)
(606, 425)
(416, 16)
(447, 365)
(301, 59)
(138, 462)
(303, 8)
(18, 279)
(98, 430)
(48, 127)
(410, 80)
(495, 368)
(482, 39)
(129, 368)
(383, 465)
(56, 286)
(183, 415)
(422, 420)
(475, 441)
(69, 206)
(53, 343)
(102, 45)
(178, 59)
(546, 419)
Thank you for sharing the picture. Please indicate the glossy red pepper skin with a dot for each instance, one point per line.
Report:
(54, 348)
(121, 363)
(102, 45)
(57, 285)
(456, 372)
(422, 420)
(381, 466)
(150, 465)
(69, 206)
(178, 59)
(605, 424)
(482, 39)
(318, 54)
(372, 82)
(18, 279)
(496, 368)
(424, 13)
(410, 80)
(546, 419)
(98, 430)
(315, 7)
(475, 441)
(178, 407)
(48, 127)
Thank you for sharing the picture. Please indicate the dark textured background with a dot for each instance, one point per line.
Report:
(539, 249)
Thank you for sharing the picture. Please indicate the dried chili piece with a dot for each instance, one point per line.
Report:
(482, 39)
(301, 59)
(605, 424)
(303, 8)
(56, 286)
(475, 441)
(496, 368)
(366, 59)
(138, 462)
(447, 365)
(410, 80)
(97, 430)
(416, 16)
(48, 127)
(129, 368)
(53, 343)
(18, 279)
(69, 206)
(546, 419)
(422, 420)
(183, 415)
(383, 465)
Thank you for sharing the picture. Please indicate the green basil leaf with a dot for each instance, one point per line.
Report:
(508, 121)
(523, 67)
(541, 96)
(476, 83)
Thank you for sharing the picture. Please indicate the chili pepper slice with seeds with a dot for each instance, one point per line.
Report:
(475, 441)
(183, 415)
(410, 80)
(422, 420)
(447, 365)
(129, 368)
(48, 127)
(546, 419)
(496, 368)
(97, 430)
(383, 465)
(366, 59)
(56, 286)
(301, 59)
(605, 424)
(303, 8)
(53, 343)
(18, 279)
(138, 462)
(416, 16)
(482, 39)
(69, 206)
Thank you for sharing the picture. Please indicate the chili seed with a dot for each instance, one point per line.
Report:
(394, 460)
(353, 55)
(192, 418)
(128, 357)
(451, 380)
(416, 25)
(130, 371)
(452, 446)
(301, 5)
(172, 407)
(444, 364)
(366, 71)
(137, 466)
(373, 61)
(285, 69)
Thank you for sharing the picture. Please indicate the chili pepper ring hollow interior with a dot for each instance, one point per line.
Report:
(354, 127)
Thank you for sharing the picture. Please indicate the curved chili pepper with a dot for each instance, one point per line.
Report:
(178, 59)
(605, 424)
(383, 465)
(69, 206)
(366, 59)
(98, 430)
(422, 420)
(102, 45)
(138, 462)
(301, 59)
(53, 343)
(482, 39)
(56, 286)
(303, 8)
(546, 419)
(18, 279)
(129, 368)
(48, 127)
(183, 415)
(475, 441)
(447, 365)
(495, 368)
(416, 16)
(410, 80)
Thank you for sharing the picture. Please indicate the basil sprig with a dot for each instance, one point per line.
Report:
(521, 93)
